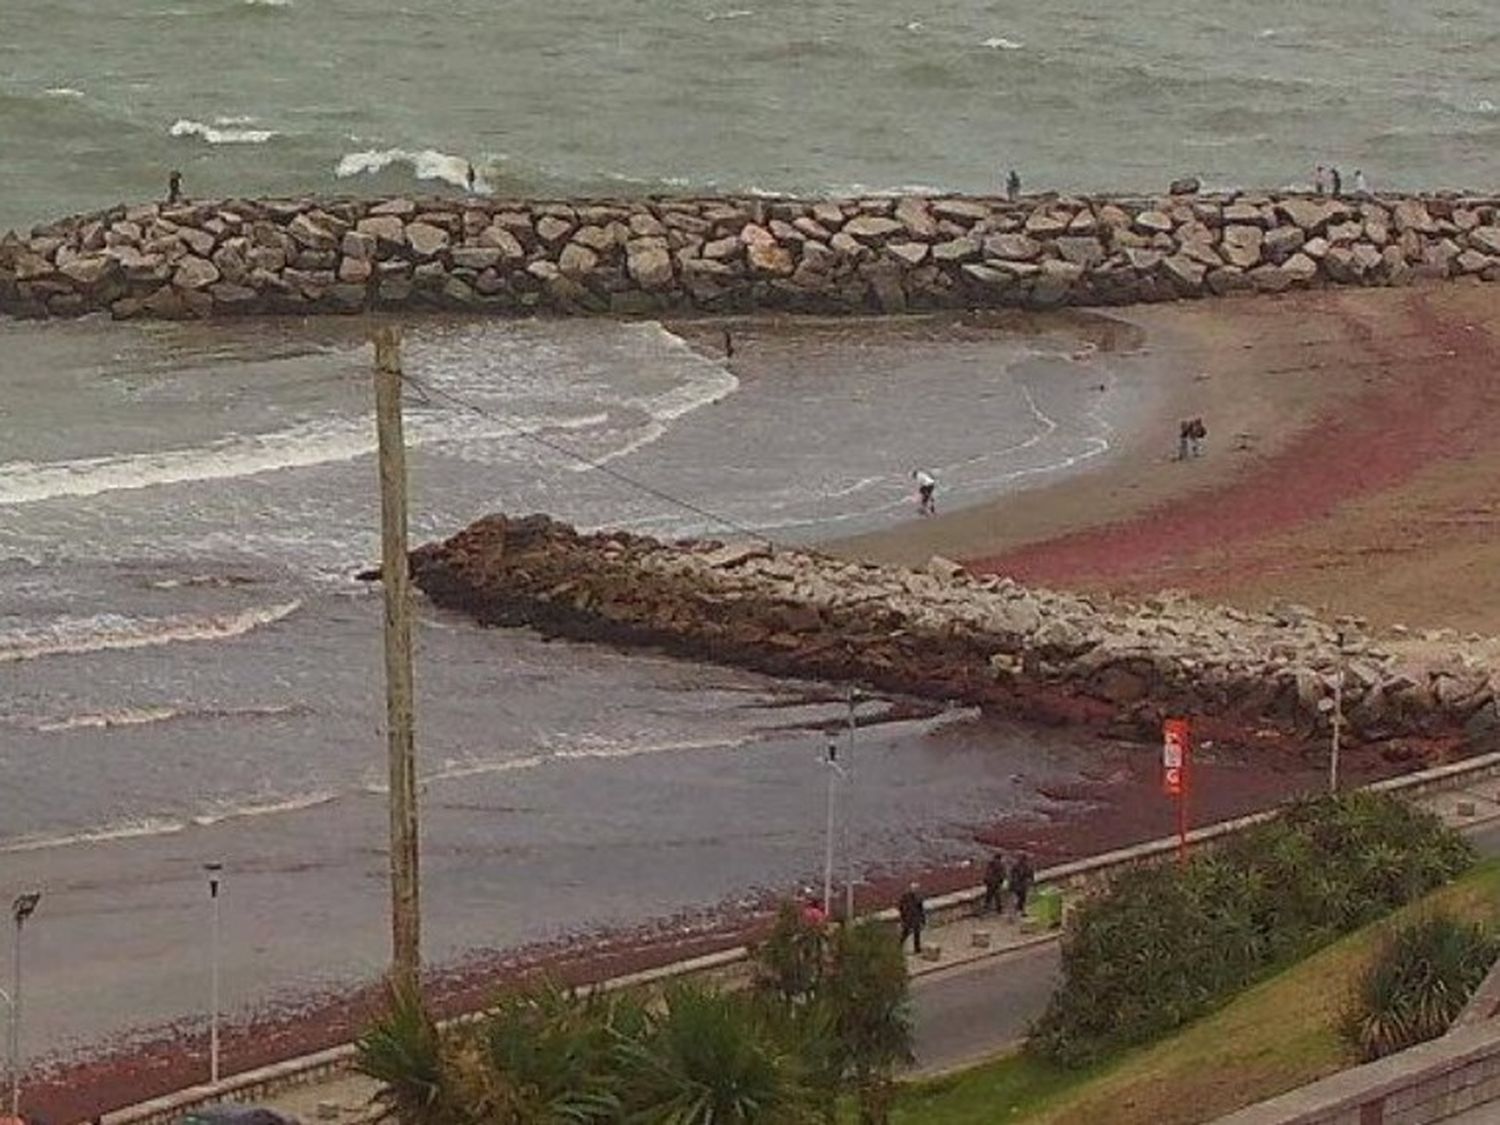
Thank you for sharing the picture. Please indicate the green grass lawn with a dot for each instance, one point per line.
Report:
(1278, 1035)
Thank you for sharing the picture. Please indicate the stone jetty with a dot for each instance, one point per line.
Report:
(726, 254)
(943, 633)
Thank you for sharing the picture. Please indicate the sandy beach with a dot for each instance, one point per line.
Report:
(1347, 431)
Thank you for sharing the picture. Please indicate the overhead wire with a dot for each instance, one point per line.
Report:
(430, 392)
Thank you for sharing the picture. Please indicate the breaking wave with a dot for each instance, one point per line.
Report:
(223, 131)
(424, 164)
(71, 636)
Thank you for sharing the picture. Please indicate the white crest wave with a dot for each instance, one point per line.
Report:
(223, 131)
(72, 636)
(425, 164)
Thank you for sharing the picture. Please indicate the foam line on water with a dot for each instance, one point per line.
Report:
(712, 383)
(71, 636)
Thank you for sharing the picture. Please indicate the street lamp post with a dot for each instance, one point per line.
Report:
(23, 908)
(832, 761)
(213, 870)
(849, 874)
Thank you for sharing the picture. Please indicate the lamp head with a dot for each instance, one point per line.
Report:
(25, 905)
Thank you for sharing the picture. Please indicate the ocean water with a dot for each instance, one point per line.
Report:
(99, 100)
(191, 672)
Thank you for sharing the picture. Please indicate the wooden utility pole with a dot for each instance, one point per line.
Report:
(406, 925)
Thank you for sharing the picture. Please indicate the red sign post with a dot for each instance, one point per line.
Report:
(1175, 743)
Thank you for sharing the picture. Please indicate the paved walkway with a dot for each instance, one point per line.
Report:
(981, 981)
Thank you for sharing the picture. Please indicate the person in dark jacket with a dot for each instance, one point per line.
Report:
(1021, 878)
(913, 914)
(994, 884)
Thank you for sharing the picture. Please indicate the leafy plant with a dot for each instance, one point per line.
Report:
(866, 993)
(404, 1052)
(1163, 945)
(1419, 982)
(717, 1058)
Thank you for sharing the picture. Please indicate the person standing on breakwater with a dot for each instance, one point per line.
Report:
(728, 344)
(1361, 188)
(174, 186)
(994, 884)
(926, 487)
(1336, 182)
(913, 913)
(1021, 878)
(1012, 186)
(1320, 179)
(469, 177)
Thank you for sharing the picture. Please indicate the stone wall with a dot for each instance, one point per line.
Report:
(217, 257)
(942, 633)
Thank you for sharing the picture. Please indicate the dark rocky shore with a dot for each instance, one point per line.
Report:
(942, 633)
(649, 256)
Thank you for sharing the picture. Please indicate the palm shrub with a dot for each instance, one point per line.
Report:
(718, 1058)
(405, 1052)
(1418, 983)
(1164, 944)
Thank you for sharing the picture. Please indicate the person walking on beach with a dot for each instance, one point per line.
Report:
(913, 913)
(926, 488)
(994, 884)
(1197, 432)
(174, 187)
(1012, 186)
(1021, 878)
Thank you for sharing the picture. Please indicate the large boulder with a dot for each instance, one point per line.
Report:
(649, 263)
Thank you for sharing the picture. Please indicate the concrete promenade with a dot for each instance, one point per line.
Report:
(989, 979)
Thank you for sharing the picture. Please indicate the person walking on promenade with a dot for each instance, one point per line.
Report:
(1184, 439)
(913, 912)
(1012, 186)
(174, 186)
(994, 884)
(1197, 432)
(926, 487)
(813, 912)
(1021, 878)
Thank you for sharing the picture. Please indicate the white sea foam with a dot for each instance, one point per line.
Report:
(732, 14)
(709, 383)
(70, 636)
(122, 830)
(299, 446)
(146, 716)
(425, 164)
(224, 131)
(63, 92)
(1001, 43)
(272, 807)
(267, 3)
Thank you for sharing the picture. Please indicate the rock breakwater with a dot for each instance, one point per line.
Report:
(880, 254)
(943, 633)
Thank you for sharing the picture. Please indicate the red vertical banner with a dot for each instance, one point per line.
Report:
(1176, 741)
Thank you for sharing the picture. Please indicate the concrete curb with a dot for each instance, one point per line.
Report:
(268, 1080)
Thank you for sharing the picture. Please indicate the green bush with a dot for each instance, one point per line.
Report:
(828, 1014)
(1166, 943)
(1419, 982)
